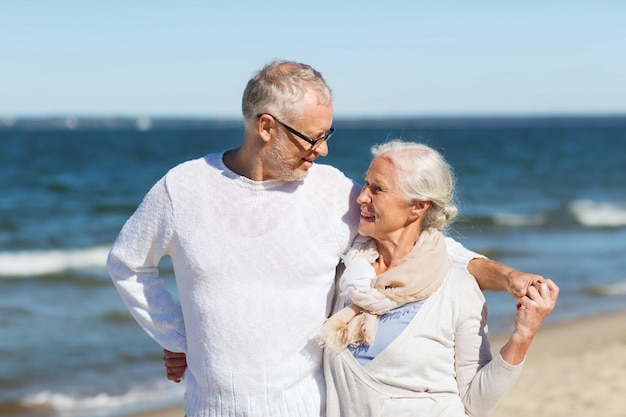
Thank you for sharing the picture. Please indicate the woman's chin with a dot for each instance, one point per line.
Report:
(364, 230)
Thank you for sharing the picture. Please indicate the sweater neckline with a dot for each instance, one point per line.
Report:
(246, 182)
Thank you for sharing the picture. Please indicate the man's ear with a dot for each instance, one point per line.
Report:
(265, 125)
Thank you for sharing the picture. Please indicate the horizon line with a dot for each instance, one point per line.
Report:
(55, 115)
(146, 123)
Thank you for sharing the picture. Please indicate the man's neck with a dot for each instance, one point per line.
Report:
(241, 163)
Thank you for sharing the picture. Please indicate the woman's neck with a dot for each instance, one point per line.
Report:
(392, 251)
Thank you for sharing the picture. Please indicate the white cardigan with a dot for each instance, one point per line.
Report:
(440, 365)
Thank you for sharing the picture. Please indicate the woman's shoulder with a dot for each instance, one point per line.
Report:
(462, 283)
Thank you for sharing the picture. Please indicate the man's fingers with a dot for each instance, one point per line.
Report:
(175, 365)
(174, 378)
(175, 362)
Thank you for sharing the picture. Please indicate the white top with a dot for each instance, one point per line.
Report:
(440, 365)
(255, 266)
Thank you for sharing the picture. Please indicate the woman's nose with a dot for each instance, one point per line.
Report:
(363, 196)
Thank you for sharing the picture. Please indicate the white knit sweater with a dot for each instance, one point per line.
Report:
(255, 265)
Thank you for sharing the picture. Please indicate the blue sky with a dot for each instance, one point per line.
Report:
(382, 58)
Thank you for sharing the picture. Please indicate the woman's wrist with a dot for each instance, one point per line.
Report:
(516, 348)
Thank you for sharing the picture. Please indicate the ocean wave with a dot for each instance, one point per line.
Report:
(103, 404)
(519, 220)
(581, 212)
(613, 289)
(599, 214)
(35, 263)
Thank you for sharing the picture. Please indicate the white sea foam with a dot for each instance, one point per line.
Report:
(32, 263)
(161, 394)
(599, 214)
(614, 289)
(519, 220)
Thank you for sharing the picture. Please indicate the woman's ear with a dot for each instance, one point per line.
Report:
(420, 208)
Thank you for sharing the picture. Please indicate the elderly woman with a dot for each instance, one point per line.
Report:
(411, 338)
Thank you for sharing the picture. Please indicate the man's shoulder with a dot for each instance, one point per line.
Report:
(202, 163)
(331, 181)
(192, 173)
(328, 172)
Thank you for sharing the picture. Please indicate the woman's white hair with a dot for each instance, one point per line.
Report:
(423, 175)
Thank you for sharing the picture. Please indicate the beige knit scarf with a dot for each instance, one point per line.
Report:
(415, 278)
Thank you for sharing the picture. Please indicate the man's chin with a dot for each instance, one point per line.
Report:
(303, 174)
(297, 175)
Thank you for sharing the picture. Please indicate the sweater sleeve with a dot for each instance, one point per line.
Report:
(459, 255)
(133, 266)
(483, 382)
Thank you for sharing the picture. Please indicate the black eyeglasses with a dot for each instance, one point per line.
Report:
(302, 136)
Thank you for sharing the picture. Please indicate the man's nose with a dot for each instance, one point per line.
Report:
(322, 149)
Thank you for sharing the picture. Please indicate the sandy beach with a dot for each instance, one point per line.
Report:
(574, 369)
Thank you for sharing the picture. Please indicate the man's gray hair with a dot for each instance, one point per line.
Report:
(279, 87)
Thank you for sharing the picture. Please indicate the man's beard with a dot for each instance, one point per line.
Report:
(280, 168)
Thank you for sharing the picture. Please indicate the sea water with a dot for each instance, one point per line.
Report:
(542, 195)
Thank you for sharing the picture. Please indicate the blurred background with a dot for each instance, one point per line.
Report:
(97, 101)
